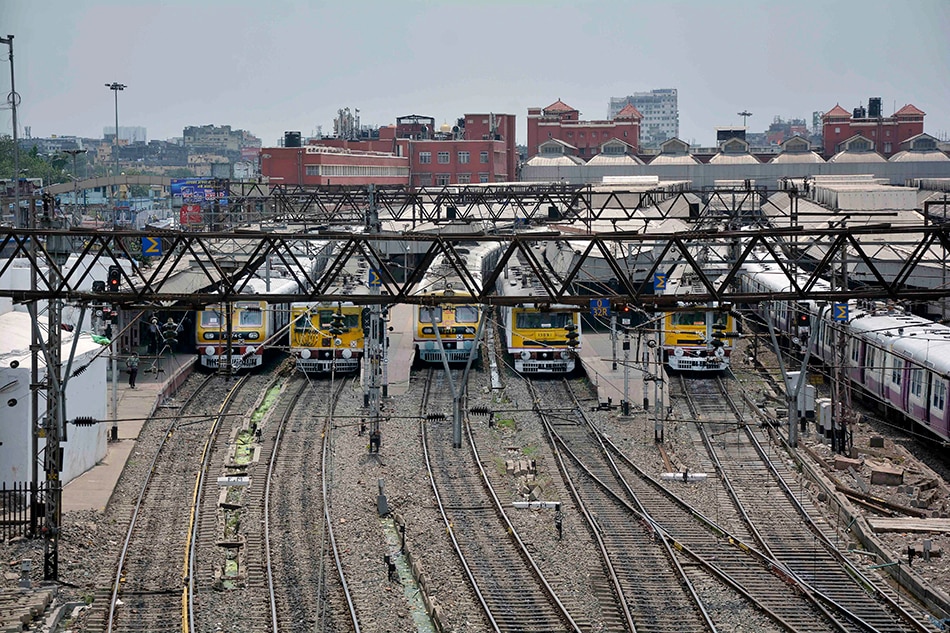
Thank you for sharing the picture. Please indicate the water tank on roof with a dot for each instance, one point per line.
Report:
(874, 107)
(860, 113)
(291, 139)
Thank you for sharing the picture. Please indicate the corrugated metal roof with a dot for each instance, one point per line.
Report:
(789, 158)
(614, 159)
(857, 157)
(544, 161)
(674, 159)
(734, 159)
(911, 156)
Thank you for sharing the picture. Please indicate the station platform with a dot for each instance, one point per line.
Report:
(156, 381)
(596, 356)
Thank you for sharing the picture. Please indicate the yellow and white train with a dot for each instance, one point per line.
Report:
(697, 337)
(540, 337)
(253, 326)
(327, 337)
(457, 323)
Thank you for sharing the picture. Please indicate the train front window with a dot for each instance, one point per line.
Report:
(429, 314)
(350, 321)
(303, 323)
(211, 318)
(538, 320)
(689, 318)
(251, 317)
(699, 318)
(466, 314)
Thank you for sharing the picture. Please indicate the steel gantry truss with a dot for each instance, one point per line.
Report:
(224, 278)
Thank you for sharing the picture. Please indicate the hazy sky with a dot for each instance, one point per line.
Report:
(283, 65)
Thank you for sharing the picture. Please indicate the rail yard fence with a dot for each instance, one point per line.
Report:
(17, 515)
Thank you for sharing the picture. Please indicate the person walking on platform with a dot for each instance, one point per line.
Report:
(132, 362)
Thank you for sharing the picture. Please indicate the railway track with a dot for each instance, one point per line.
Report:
(654, 589)
(151, 580)
(509, 585)
(781, 520)
(223, 575)
(300, 557)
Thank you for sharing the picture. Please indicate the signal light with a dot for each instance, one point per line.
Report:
(572, 335)
(115, 276)
(337, 324)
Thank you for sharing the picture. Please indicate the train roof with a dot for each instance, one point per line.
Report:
(444, 276)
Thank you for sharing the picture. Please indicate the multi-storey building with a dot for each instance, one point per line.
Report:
(885, 133)
(584, 139)
(660, 110)
(478, 148)
(218, 138)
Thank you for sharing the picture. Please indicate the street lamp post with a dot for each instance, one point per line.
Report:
(73, 153)
(115, 87)
(14, 99)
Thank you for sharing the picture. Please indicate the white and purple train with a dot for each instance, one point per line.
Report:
(901, 360)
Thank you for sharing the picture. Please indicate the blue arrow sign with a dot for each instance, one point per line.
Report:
(600, 308)
(839, 312)
(374, 280)
(659, 282)
(151, 246)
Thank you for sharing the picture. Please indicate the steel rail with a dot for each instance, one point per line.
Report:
(123, 553)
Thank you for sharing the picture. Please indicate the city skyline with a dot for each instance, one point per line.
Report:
(295, 66)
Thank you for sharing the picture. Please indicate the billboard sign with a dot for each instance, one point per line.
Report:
(199, 191)
(190, 214)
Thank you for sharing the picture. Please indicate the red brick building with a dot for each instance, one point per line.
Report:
(887, 133)
(476, 148)
(324, 165)
(561, 122)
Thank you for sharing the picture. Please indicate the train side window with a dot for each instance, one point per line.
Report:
(855, 349)
(896, 371)
(871, 355)
(916, 381)
(939, 392)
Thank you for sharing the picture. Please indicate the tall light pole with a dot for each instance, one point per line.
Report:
(744, 114)
(14, 98)
(73, 153)
(115, 87)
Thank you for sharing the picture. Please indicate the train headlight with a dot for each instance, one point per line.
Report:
(678, 352)
(338, 341)
(428, 330)
(209, 351)
(250, 350)
(209, 336)
(347, 353)
(253, 336)
(720, 352)
(565, 354)
(525, 355)
(305, 354)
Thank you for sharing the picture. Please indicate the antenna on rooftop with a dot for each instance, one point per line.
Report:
(744, 114)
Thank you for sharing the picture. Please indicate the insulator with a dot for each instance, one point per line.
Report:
(479, 411)
(436, 416)
(85, 420)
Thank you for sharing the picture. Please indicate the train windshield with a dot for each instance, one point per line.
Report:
(466, 314)
(698, 318)
(350, 321)
(251, 317)
(429, 314)
(211, 318)
(529, 320)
